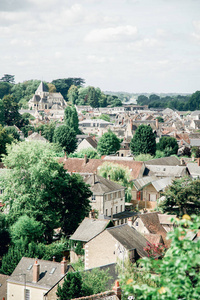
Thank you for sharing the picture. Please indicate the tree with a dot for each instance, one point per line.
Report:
(4, 235)
(26, 228)
(93, 97)
(144, 141)
(13, 131)
(160, 119)
(176, 276)
(10, 115)
(72, 94)
(182, 197)
(65, 136)
(8, 78)
(71, 118)
(108, 143)
(194, 101)
(5, 139)
(39, 187)
(72, 287)
(63, 85)
(168, 144)
(4, 89)
(186, 152)
(89, 152)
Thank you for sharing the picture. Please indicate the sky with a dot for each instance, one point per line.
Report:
(137, 46)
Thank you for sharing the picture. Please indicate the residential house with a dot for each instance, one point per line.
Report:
(150, 223)
(194, 169)
(90, 166)
(87, 230)
(147, 190)
(94, 126)
(42, 99)
(36, 279)
(108, 197)
(87, 143)
(35, 136)
(116, 243)
(3, 286)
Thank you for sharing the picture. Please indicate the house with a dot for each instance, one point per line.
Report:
(35, 136)
(87, 143)
(108, 197)
(36, 279)
(87, 230)
(116, 243)
(3, 286)
(150, 223)
(194, 169)
(85, 165)
(42, 99)
(94, 126)
(147, 190)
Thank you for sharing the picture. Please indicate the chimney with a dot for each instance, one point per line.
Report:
(36, 271)
(131, 124)
(54, 259)
(93, 179)
(117, 289)
(198, 161)
(85, 159)
(30, 132)
(182, 162)
(63, 266)
(40, 132)
(130, 223)
(65, 156)
(108, 177)
(157, 124)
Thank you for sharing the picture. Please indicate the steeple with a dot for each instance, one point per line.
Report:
(41, 89)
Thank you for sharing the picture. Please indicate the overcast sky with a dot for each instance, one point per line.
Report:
(116, 45)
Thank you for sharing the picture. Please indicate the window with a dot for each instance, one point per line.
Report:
(27, 294)
(106, 212)
(136, 223)
(93, 197)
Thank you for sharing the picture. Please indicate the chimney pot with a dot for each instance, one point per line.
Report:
(54, 258)
(108, 177)
(117, 289)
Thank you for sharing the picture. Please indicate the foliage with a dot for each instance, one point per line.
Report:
(65, 136)
(182, 197)
(119, 174)
(28, 116)
(5, 139)
(160, 119)
(13, 132)
(78, 265)
(89, 152)
(144, 141)
(72, 94)
(108, 143)
(155, 251)
(8, 78)
(104, 117)
(194, 101)
(168, 144)
(96, 280)
(63, 85)
(159, 154)
(73, 287)
(196, 151)
(143, 157)
(71, 118)
(4, 235)
(5, 89)
(47, 130)
(186, 152)
(176, 276)
(26, 228)
(9, 111)
(37, 185)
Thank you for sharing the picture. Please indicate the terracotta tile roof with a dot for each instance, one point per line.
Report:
(81, 165)
(152, 223)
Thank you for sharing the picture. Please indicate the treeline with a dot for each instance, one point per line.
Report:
(72, 90)
(179, 102)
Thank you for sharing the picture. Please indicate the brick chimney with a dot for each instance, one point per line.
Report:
(85, 159)
(65, 158)
(198, 161)
(63, 266)
(54, 259)
(157, 124)
(108, 177)
(30, 132)
(131, 124)
(130, 223)
(36, 271)
(117, 289)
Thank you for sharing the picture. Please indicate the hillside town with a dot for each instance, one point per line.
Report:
(88, 194)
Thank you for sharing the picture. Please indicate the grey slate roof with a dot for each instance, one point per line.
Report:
(164, 161)
(161, 184)
(46, 280)
(142, 182)
(130, 238)
(36, 137)
(194, 169)
(166, 171)
(92, 142)
(89, 228)
(195, 142)
(100, 185)
(41, 88)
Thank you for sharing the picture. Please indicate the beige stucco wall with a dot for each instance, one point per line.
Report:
(84, 145)
(102, 250)
(140, 226)
(16, 292)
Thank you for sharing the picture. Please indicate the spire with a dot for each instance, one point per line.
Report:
(41, 88)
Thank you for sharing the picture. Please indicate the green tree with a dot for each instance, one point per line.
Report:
(194, 101)
(13, 131)
(108, 143)
(168, 144)
(176, 276)
(5, 139)
(160, 119)
(186, 152)
(89, 152)
(10, 115)
(72, 94)
(8, 78)
(93, 97)
(63, 85)
(4, 235)
(38, 186)
(26, 228)
(144, 141)
(65, 136)
(4, 89)
(71, 118)
(182, 197)
(104, 117)
(73, 287)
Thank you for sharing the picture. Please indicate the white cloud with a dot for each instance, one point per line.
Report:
(112, 34)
